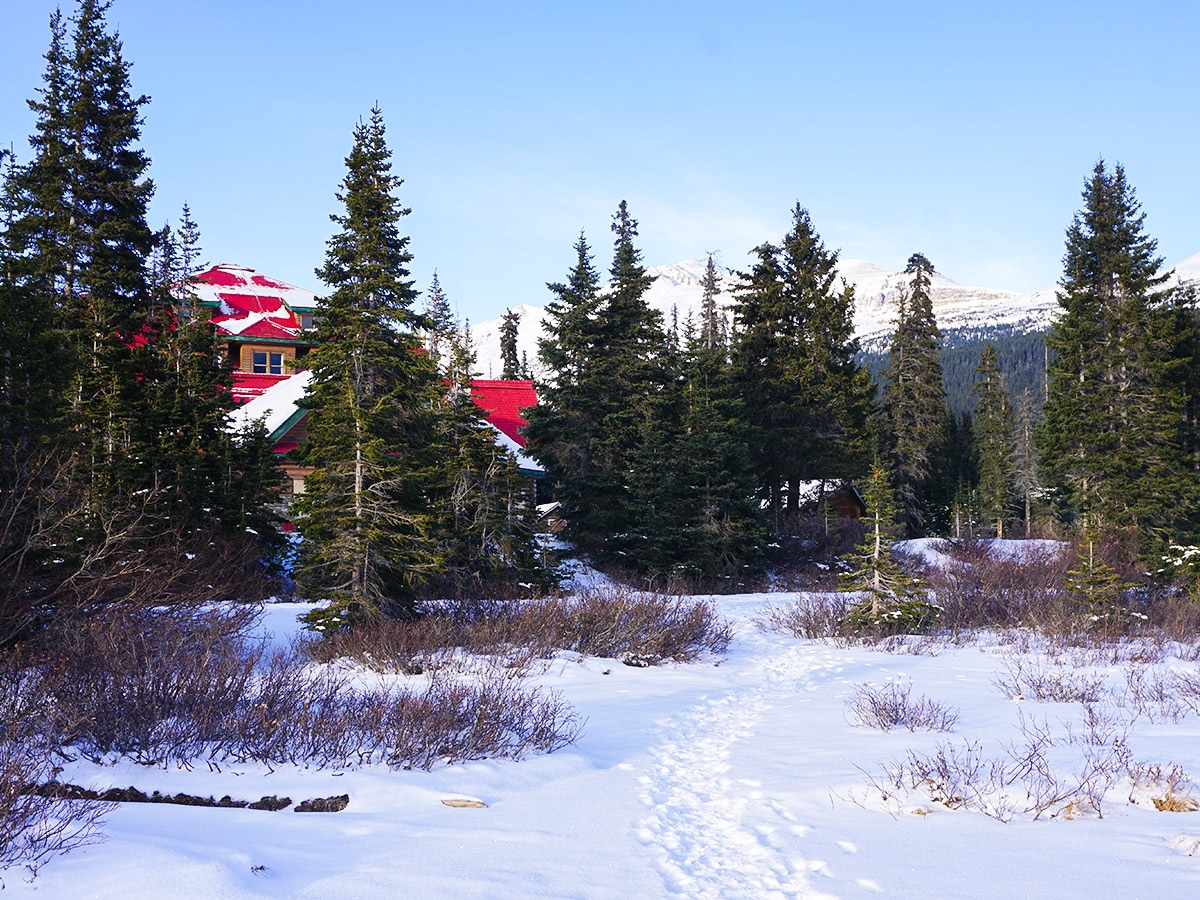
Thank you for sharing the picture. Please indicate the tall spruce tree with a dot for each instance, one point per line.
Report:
(564, 431)
(1115, 437)
(114, 484)
(633, 371)
(1026, 480)
(440, 325)
(373, 401)
(511, 363)
(80, 226)
(915, 401)
(994, 442)
(604, 355)
(711, 325)
(804, 397)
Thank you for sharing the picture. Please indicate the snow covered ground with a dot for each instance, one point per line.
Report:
(738, 777)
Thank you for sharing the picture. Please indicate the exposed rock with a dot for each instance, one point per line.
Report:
(325, 804)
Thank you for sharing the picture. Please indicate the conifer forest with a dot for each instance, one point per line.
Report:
(702, 452)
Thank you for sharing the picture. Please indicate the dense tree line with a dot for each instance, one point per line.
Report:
(689, 450)
(678, 454)
(785, 399)
(120, 479)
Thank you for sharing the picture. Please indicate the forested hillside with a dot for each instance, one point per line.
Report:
(1022, 360)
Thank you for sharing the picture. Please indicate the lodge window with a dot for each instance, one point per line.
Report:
(267, 363)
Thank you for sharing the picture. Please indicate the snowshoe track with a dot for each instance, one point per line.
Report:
(714, 834)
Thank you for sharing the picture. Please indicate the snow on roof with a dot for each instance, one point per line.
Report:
(278, 404)
(247, 385)
(526, 464)
(252, 305)
(255, 323)
(275, 406)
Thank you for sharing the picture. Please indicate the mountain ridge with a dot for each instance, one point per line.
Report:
(678, 288)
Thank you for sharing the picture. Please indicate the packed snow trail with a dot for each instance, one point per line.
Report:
(714, 834)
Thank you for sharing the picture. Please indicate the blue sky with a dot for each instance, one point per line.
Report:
(963, 130)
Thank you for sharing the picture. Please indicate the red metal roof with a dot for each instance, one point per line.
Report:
(221, 277)
(264, 281)
(502, 402)
(251, 305)
(247, 385)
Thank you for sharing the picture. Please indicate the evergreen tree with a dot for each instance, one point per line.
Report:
(631, 375)
(200, 467)
(711, 329)
(374, 401)
(33, 371)
(958, 490)
(1116, 435)
(1026, 481)
(441, 325)
(892, 600)
(659, 517)
(804, 397)
(721, 529)
(32, 364)
(117, 403)
(509, 326)
(915, 401)
(1096, 588)
(604, 352)
(564, 431)
(79, 224)
(995, 442)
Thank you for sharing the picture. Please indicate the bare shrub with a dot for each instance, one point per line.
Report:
(958, 776)
(963, 776)
(154, 685)
(34, 828)
(891, 706)
(808, 616)
(618, 622)
(178, 686)
(651, 627)
(1184, 687)
(1169, 790)
(832, 617)
(1157, 696)
(457, 722)
(980, 590)
(436, 640)
(318, 718)
(1037, 679)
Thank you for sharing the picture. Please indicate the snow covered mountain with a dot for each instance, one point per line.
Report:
(959, 308)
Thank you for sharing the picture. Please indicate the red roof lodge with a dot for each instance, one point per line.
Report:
(266, 326)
